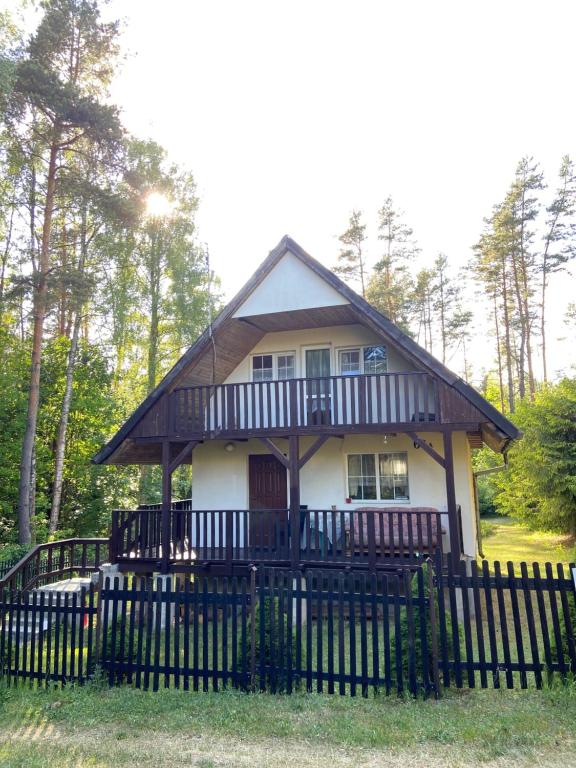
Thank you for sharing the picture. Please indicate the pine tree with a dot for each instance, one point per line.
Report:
(390, 285)
(559, 240)
(57, 101)
(352, 259)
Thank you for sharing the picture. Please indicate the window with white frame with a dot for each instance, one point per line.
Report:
(357, 360)
(285, 366)
(378, 477)
(277, 365)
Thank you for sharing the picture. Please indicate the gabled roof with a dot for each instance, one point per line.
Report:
(375, 319)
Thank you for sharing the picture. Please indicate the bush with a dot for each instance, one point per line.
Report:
(486, 529)
(116, 646)
(274, 653)
(564, 632)
(420, 661)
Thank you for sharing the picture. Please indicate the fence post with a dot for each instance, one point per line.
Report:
(229, 527)
(433, 629)
(253, 628)
(113, 547)
(371, 532)
(98, 629)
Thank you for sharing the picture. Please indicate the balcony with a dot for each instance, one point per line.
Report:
(303, 406)
(228, 539)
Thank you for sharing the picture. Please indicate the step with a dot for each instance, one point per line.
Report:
(25, 629)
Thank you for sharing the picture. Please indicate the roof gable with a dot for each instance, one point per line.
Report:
(249, 302)
(290, 285)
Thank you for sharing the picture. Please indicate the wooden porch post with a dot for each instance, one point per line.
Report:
(454, 522)
(166, 506)
(294, 467)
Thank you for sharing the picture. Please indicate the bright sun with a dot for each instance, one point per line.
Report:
(158, 205)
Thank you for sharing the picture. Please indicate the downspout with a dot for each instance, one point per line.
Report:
(475, 475)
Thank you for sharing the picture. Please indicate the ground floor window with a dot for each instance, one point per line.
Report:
(378, 477)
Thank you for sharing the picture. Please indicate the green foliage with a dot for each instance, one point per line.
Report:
(12, 552)
(567, 633)
(540, 484)
(487, 529)
(13, 373)
(351, 259)
(273, 654)
(483, 459)
(116, 645)
(89, 491)
(420, 659)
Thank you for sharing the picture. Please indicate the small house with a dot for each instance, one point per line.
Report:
(320, 434)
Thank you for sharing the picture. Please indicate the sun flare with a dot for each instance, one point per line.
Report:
(158, 205)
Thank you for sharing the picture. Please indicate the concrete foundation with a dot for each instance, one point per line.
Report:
(166, 614)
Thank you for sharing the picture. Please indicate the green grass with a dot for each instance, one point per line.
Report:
(95, 726)
(509, 540)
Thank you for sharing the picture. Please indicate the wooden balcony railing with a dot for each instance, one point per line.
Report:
(368, 538)
(56, 560)
(300, 404)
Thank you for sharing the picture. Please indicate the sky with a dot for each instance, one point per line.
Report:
(291, 114)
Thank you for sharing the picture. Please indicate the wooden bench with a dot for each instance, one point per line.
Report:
(397, 531)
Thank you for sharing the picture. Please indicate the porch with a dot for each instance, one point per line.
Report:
(229, 541)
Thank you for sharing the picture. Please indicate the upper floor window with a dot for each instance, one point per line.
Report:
(262, 368)
(277, 365)
(352, 362)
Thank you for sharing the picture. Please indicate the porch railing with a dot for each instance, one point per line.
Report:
(56, 560)
(339, 401)
(369, 538)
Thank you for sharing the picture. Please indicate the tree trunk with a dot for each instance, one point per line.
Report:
(5, 256)
(60, 448)
(507, 343)
(499, 357)
(39, 314)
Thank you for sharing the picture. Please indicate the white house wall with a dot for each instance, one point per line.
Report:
(334, 337)
(220, 478)
(291, 285)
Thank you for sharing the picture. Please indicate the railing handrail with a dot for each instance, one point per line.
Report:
(45, 546)
(338, 376)
(396, 509)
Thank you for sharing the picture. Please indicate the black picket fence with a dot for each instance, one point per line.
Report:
(5, 566)
(348, 633)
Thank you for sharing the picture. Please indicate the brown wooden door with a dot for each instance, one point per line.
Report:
(267, 491)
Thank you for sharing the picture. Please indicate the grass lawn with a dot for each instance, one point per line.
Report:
(512, 541)
(100, 727)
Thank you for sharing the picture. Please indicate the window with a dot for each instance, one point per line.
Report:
(378, 477)
(393, 471)
(262, 369)
(375, 360)
(273, 366)
(350, 362)
(353, 362)
(285, 366)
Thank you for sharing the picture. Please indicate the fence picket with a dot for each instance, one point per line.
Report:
(344, 632)
(503, 624)
(568, 628)
(517, 624)
(466, 622)
(454, 622)
(535, 656)
(479, 624)
(555, 619)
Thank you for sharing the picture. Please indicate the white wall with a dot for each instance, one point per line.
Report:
(220, 478)
(334, 337)
(291, 285)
